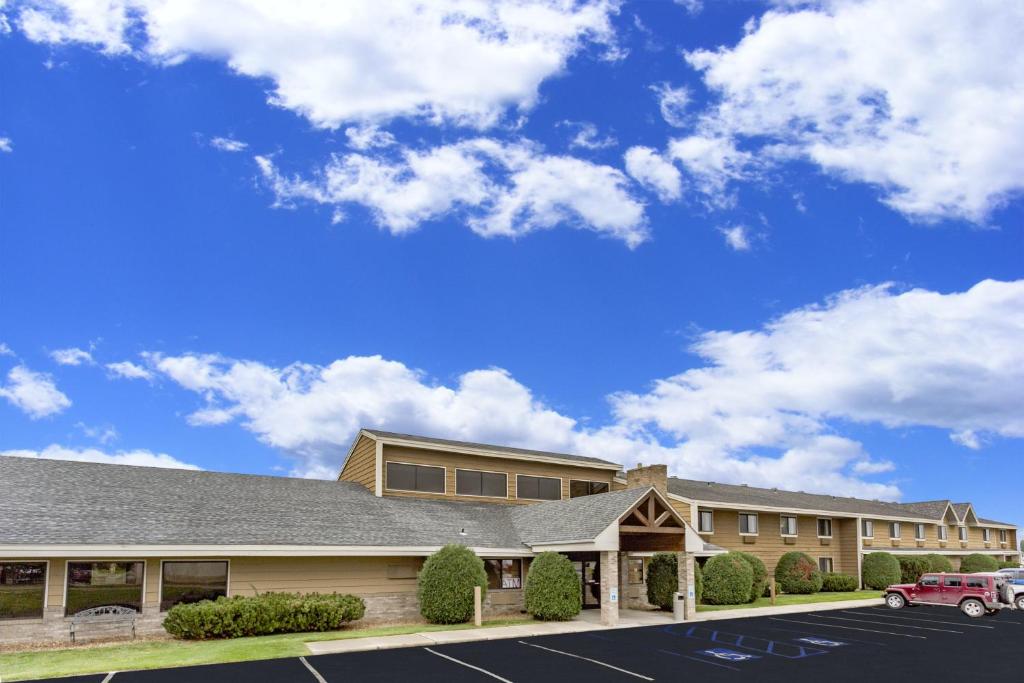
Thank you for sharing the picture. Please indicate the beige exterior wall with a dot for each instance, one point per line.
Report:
(511, 467)
(356, 575)
(361, 467)
(683, 509)
(883, 540)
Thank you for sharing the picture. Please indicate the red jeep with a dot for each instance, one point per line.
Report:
(975, 595)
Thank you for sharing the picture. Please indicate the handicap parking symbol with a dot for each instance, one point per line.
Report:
(728, 655)
(822, 642)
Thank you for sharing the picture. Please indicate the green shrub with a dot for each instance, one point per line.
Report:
(1009, 564)
(552, 588)
(838, 583)
(912, 567)
(938, 563)
(445, 587)
(881, 570)
(263, 614)
(760, 575)
(698, 580)
(662, 580)
(978, 563)
(797, 573)
(728, 580)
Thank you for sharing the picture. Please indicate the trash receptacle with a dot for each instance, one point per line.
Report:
(679, 606)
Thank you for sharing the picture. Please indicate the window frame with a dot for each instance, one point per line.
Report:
(705, 531)
(591, 482)
(757, 524)
(160, 576)
(986, 535)
(962, 534)
(537, 476)
(474, 495)
(923, 528)
(831, 564)
(796, 526)
(387, 479)
(896, 531)
(870, 522)
(830, 529)
(46, 591)
(943, 532)
(931, 577)
(522, 572)
(1003, 536)
(643, 571)
(119, 560)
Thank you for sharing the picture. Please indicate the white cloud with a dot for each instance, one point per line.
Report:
(368, 136)
(736, 237)
(651, 169)
(587, 136)
(139, 457)
(129, 370)
(499, 189)
(691, 6)
(228, 144)
(361, 60)
(712, 162)
(672, 102)
(6, 145)
(925, 101)
(966, 438)
(34, 393)
(5, 350)
(105, 434)
(71, 356)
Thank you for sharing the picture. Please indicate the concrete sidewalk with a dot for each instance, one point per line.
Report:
(628, 619)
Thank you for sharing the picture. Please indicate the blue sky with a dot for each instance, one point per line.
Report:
(708, 234)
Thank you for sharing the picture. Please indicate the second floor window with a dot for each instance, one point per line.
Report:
(1002, 535)
(538, 488)
(986, 535)
(894, 530)
(706, 521)
(943, 533)
(578, 487)
(748, 523)
(420, 478)
(867, 528)
(825, 528)
(787, 525)
(919, 532)
(477, 483)
(963, 533)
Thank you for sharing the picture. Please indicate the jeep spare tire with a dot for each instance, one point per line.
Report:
(972, 608)
(1006, 593)
(895, 601)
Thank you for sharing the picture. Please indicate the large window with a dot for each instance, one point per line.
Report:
(706, 522)
(824, 527)
(504, 574)
(99, 584)
(22, 590)
(420, 478)
(477, 483)
(579, 488)
(919, 532)
(787, 525)
(191, 582)
(894, 530)
(748, 523)
(538, 488)
(867, 528)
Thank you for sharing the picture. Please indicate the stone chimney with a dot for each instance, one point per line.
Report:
(648, 475)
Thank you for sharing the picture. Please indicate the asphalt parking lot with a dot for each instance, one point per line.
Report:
(864, 645)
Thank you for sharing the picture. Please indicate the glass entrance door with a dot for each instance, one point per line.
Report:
(590, 582)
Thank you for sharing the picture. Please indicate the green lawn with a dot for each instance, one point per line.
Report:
(787, 599)
(18, 666)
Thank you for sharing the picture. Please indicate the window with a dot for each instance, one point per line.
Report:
(538, 488)
(1002, 535)
(97, 584)
(919, 532)
(963, 533)
(986, 535)
(787, 525)
(636, 570)
(867, 528)
(579, 488)
(977, 582)
(185, 582)
(748, 523)
(506, 574)
(476, 483)
(825, 528)
(421, 478)
(943, 533)
(929, 581)
(894, 530)
(706, 521)
(22, 590)
(825, 564)
(951, 581)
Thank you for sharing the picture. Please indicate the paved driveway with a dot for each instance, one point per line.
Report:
(866, 645)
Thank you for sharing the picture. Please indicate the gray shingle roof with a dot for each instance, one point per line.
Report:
(982, 520)
(576, 519)
(961, 510)
(431, 441)
(932, 509)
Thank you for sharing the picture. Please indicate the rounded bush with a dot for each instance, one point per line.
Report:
(728, 579)
(698, 581)
(838, 583)
(938, 563)
(1009, 564)
(552, 588)
(912, 567)
(881, 570)
(445, 587)
(978, 563)
(262, 615)
(797, 573)
(760, 575)
(662, 580)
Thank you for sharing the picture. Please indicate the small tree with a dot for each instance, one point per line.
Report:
(728, 580)
(978, 563)
(938, 563)
(911, 568)
(881, 570)
(797, 573)
(662, 580)
(760, 575)
(552, 588)
(445, 586)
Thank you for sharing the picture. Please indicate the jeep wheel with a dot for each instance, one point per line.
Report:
(972, 608)
(1019, 601)
(895, 600)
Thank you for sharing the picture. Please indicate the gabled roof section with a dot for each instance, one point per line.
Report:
(574, 520)
(965, 513)
(490, 450)
(933, 509)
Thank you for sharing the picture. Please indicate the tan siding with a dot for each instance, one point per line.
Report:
(845, 532)
(361, 467)
(683, 509)
(357, 575)
(453, 461)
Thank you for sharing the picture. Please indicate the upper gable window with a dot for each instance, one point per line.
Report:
(538, 488)
(420, 478)
(579, 488)
(478, 483)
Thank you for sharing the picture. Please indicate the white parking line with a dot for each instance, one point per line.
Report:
(468, 665)
(587, 659)
(927, 621)
(109, 676)
(316, 674)
(890, 624)
(849, 628)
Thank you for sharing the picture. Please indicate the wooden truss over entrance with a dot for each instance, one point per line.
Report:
(652, 524)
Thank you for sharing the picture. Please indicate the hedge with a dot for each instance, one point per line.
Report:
(760, 575)
(552, 588)
(881, 570)
(445, 587)
(698, 580)
(797, 573)
(911, 568)
(662, 580)
(938, 563)
(263, 614)
(1009, 564)
(838, 583)
(978, 563)
(728, 579)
